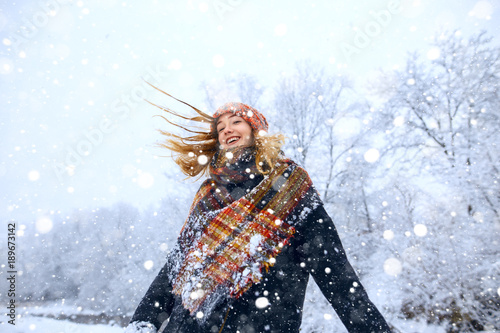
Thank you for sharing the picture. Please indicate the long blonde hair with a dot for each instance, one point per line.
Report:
(193, 153)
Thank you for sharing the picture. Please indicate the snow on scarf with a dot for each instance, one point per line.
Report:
(238, 223)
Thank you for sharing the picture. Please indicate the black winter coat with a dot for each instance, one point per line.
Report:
(314, 250)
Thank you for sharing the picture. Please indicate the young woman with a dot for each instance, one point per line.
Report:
(256, 231)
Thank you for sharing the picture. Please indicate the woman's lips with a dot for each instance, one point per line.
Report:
(231, 140)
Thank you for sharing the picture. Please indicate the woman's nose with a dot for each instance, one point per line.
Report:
(228, 129)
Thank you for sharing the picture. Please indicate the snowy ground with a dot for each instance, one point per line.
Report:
(33, 319)
(47, 325)
(36, 319)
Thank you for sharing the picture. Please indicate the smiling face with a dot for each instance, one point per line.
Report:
(233, 131)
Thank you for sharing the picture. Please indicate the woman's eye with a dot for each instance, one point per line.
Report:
(237, 122)
(220, 129)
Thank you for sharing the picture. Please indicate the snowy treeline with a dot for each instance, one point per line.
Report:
(408, 167)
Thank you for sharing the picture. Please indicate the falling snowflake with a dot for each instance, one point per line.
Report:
(371, 155)
(44, 225)
(393, 266)
(261, 302)
(148, 264)
(202, 159)
(420, 230)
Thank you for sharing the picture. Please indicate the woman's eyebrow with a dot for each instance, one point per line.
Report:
(227, 118)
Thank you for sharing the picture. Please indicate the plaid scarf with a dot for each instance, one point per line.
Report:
(238, 223)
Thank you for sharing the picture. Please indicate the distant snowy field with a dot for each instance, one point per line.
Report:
(31, 320)
(48, 325)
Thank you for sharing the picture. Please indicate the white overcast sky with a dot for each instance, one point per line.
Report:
(67, 65)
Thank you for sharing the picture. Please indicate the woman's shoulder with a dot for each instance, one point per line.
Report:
(296, 179)
(284, 160)
(293, 166)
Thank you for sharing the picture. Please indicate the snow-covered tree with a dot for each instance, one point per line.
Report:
(441, 121)
(446, 110)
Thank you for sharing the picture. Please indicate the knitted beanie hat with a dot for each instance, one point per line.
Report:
(254, 118)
